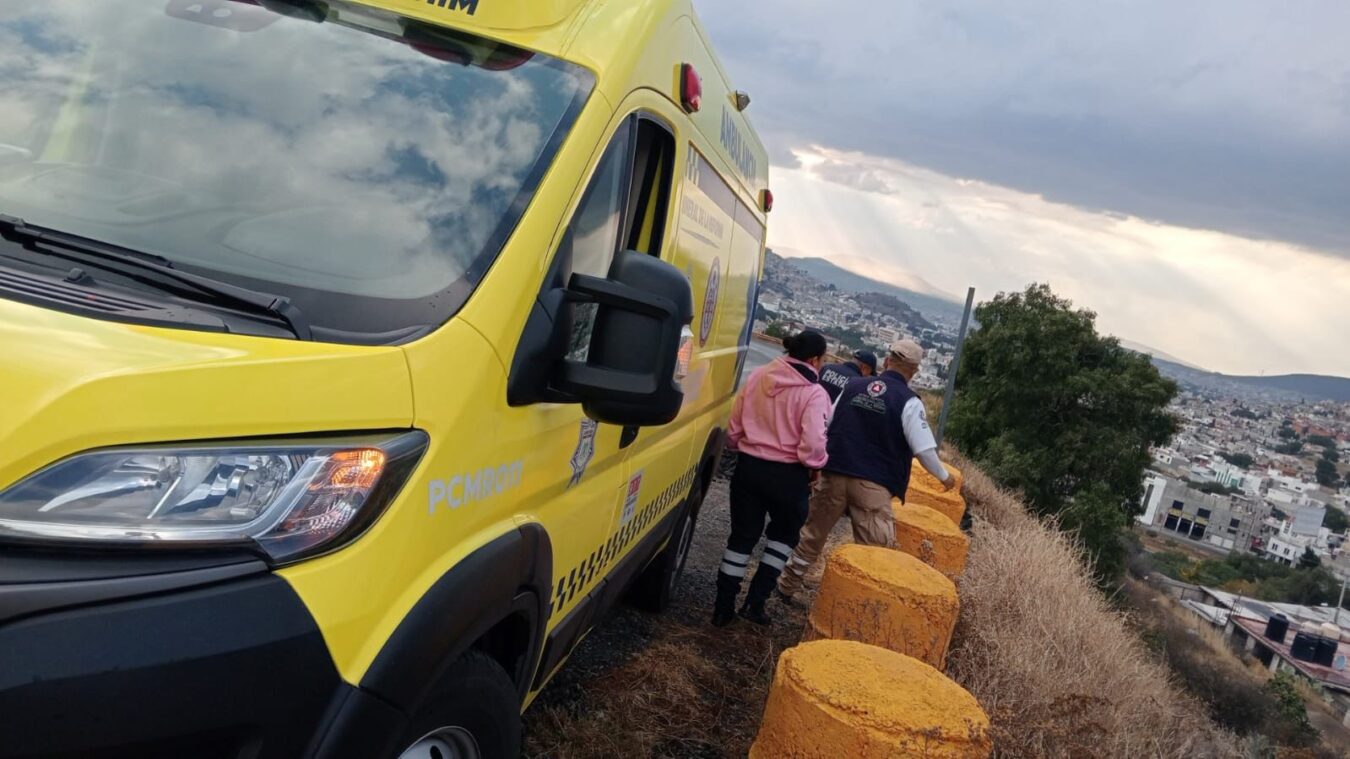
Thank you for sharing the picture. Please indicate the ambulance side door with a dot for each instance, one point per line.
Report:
(623, 208)
(660, 465)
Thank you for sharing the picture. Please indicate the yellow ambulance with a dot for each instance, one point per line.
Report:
(354, 358)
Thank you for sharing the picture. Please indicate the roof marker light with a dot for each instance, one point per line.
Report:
(691, 88)
(766, 200)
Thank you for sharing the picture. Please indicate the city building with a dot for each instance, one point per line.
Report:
(1219, 522)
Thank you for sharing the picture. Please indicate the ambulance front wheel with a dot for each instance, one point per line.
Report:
(654, 589)
(474, 714)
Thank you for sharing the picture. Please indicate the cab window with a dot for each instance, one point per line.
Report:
(627, 199)
(626, 205)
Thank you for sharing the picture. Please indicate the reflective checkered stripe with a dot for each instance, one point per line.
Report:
(581, 577)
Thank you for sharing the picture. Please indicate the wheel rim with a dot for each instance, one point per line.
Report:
(445, 743)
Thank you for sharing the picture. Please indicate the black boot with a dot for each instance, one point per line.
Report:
(766, 577)
(753, 610)
(724, 608)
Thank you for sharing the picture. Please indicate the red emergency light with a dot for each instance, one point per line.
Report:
(691, 88)
(766, 200)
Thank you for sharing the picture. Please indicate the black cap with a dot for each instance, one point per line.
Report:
(867, 357)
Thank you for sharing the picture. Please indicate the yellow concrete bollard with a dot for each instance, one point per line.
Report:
(925, 490)
(920, 476)
(929, 536)
(833, 699)
(886, 598)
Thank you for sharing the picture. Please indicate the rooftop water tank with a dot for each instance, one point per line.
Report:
(1325, 653)
(1277, 627)
(1304, 647)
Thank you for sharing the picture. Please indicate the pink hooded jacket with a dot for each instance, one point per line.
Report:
(781, 416)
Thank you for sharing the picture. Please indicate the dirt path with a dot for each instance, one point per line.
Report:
(670, 685)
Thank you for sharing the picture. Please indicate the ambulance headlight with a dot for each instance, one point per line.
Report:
(291, 499)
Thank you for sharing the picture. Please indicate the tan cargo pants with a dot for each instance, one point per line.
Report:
(868, 506)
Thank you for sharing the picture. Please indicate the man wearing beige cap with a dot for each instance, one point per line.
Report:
(879, 428)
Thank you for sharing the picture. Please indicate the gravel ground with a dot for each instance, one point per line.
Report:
(602, 700)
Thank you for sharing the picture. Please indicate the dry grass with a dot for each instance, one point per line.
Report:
(1059, 672)
(694, 692)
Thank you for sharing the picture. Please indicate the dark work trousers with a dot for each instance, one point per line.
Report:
(762, 489)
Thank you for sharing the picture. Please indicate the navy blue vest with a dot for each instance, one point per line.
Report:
(834, 377)
(867, 436)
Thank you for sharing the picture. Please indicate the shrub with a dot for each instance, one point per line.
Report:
(1291, 727)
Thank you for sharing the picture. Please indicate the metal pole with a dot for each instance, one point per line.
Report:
(1341, 600)
(955, 365)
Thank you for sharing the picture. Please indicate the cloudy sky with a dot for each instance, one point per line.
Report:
(1183, 169)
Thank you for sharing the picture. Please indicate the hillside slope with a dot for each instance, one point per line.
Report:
(1059, 672)
(932, 306)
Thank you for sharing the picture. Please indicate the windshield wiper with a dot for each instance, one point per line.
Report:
(155, 270)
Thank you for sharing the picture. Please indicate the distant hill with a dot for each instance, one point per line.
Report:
(1155, 353)
(1308, 385)
(932, 306)
(884, 303)
(1313, 387)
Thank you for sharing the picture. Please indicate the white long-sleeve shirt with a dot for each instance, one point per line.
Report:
(919, 437)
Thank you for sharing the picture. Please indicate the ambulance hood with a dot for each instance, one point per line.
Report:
(70, 384)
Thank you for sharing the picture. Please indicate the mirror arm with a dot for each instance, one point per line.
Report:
(584, 288)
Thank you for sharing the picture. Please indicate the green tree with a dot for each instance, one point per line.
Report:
(1240, 460)
(1052, 408)
(1331, 454)
(776, 330)
(1335, 520)
(1214, 488)
(1292, 448)
(1326, 473)
(1287, 433)
(1320, 440)
(1309, 560)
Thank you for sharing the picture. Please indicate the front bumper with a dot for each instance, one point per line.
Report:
(216, 661)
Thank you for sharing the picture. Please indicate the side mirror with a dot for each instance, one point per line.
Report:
(629, 375)
(633, 347)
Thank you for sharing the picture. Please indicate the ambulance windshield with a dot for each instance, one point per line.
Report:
(366, 166)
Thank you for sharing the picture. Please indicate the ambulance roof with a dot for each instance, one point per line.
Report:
(560, 28)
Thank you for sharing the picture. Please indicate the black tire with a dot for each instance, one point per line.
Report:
(476, 697)
(654, 589)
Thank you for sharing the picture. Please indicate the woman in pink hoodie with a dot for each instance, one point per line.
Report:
(778, 427)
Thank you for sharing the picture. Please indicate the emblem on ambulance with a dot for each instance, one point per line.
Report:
(581, 457)
(710, 302)
(876, 389)
(630, 499)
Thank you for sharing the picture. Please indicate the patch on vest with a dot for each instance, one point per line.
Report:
(876, 389)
